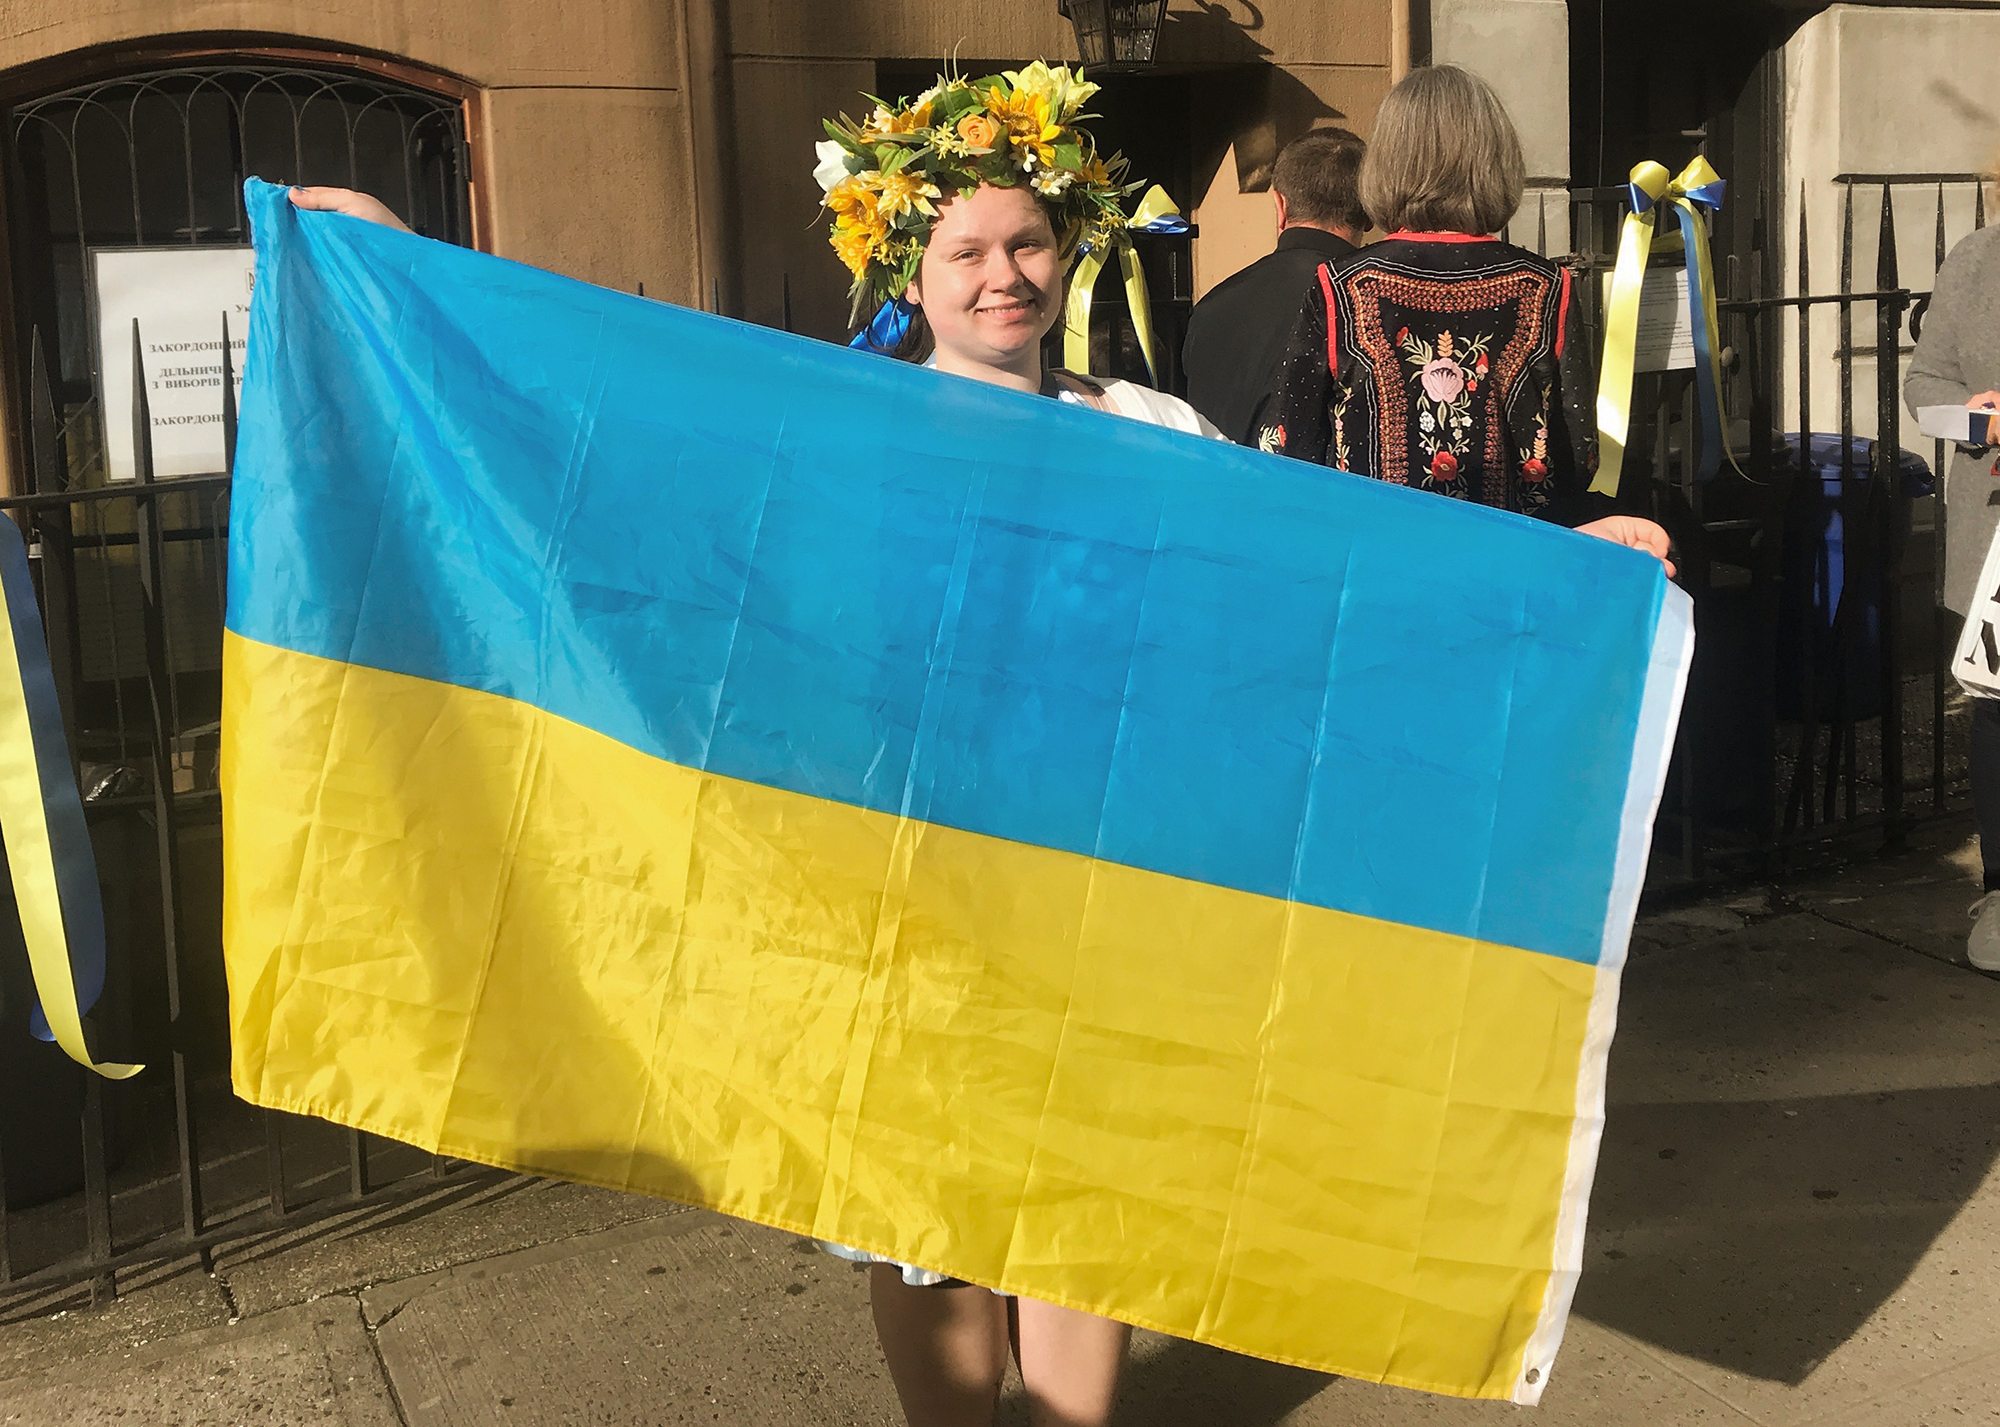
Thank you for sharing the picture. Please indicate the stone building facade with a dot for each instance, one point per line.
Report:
(655, 144)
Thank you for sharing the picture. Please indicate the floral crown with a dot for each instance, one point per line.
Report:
(880, 176)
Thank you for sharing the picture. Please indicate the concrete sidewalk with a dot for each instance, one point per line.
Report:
(1797, 1220)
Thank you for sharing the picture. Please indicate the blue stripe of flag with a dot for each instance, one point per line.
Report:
(827, 572)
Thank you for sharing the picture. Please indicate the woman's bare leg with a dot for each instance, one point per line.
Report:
(946, 1348)
(1070, 1363)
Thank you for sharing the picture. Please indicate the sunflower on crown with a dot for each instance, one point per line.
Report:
(883, 177)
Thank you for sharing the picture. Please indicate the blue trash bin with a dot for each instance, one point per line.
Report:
(1846, 672)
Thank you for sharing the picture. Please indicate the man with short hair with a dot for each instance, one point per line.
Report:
(1236, 335)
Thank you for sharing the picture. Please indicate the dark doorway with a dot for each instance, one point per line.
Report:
(1669, 82)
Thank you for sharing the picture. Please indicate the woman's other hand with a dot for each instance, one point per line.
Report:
(346, 200)
(1635, 532)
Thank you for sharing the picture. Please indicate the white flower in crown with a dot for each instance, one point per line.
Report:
(832, 164)
(1051, 182)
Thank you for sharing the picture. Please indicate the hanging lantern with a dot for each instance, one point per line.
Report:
(1115, 34)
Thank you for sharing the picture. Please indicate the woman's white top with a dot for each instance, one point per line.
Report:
(1155, 408)
(1129, 399)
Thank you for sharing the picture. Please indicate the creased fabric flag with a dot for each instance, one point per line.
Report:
(1089, 861)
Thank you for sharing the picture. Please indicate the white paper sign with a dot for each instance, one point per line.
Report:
(1977, 659)
(178, 296)
(1957, 423)
(1666, 326)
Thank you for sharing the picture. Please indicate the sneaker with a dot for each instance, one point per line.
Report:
(1982, 948)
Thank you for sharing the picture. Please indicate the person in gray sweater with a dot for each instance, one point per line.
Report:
(1957, 362)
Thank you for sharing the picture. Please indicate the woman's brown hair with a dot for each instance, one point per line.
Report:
(1444, 157)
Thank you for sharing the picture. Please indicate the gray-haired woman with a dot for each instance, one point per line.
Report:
(1957, 362)
(1442, 357)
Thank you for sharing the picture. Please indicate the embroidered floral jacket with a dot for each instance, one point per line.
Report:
(1450, 363)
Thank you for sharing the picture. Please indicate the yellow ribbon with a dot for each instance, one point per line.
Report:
(24, 811)
(1652, 191)
(1155, 209)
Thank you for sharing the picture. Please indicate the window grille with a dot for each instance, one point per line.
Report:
(160, 158)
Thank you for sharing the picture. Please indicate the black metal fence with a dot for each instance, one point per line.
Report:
(1821, 715)
(158, 159)
(102, 1177)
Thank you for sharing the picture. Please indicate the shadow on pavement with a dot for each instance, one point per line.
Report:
(1761, 1236)
(1798, 1110)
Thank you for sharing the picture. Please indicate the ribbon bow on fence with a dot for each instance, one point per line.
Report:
(1694, 195)
(1156, 213)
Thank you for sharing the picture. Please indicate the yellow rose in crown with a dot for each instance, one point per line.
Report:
(978, 131)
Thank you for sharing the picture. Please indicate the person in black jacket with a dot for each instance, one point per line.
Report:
(1442, 357)
(1236, 335)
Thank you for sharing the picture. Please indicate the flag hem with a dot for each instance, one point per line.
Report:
(1653, 744)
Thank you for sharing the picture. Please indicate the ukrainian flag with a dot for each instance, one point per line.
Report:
(1096, 863)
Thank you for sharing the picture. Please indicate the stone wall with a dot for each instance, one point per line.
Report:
(580, 132)
(1880, 91)
(588, 131)
(1521, 48)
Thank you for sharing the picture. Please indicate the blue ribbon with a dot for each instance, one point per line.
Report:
(1706, 367)
(887, 328)
(1708, 195)
(57, 841)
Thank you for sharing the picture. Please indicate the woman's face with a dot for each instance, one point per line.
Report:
(991, 281)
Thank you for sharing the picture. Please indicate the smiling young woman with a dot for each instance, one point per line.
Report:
(958, 214)
(988, 290)
(989, 286)
(960, 211)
